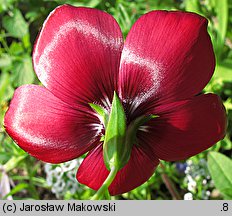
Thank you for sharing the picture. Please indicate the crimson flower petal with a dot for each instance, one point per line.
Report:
(138, 170)
(77, 54)
(47, 128)
(167, 56)
(186, 128)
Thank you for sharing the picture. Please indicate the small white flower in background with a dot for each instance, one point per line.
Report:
(206, 194)
(188, 196)
(204, 182)
(198, 175)
(62, 177)
(191, 183)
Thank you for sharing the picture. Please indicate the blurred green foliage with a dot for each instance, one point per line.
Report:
(21, 21)
(220, 168)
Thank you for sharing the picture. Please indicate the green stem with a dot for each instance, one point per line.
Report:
(107, 195)
(169, 184)
(105, 185)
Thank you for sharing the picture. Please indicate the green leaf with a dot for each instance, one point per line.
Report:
(93, 3)
(4, 83)
(26, 42)
(220, 168)
(224, 71)
(32, 15)
(115, 135)
(24, 73)
(13, 162)
(6, 4)
(37, 181)
(5, 60)
(227, 192)
(17, 189)
(193, 6)
(4, 156)
(16, 48)
(15, 24)
(222, 10)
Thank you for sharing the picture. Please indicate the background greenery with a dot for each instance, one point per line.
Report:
(205, 176)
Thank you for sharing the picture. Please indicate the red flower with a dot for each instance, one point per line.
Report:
(80, 58)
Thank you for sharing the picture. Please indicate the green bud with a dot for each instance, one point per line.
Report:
(114, 141)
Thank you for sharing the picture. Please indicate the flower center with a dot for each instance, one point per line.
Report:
(119, 137)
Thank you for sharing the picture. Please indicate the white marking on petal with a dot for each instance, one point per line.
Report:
(44, 66)
(97, 127)
(154, 69)
(106, 102)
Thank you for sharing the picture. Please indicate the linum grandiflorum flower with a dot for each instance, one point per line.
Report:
(158, 73)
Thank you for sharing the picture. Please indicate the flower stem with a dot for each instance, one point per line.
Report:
(169, 184)
(103, 189)
(107, 195)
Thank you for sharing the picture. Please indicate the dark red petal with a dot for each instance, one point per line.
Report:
(47, 128)
(186, 128)
(139, 169)
(167, 56)
(77, 53)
